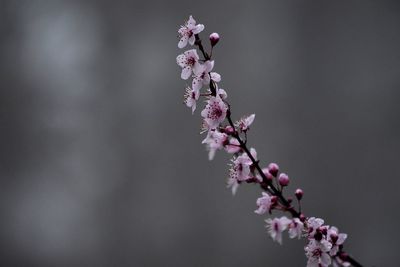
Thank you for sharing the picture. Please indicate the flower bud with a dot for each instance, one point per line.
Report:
(299, 193)
(229, 130)
(273, 169)
(214, 38)
(283, 179)
(267, 174)
(302, 217)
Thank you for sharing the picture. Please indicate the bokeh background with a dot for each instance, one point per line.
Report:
(102, 165)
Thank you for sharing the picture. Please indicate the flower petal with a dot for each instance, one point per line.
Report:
(186, 72)
(183, 41)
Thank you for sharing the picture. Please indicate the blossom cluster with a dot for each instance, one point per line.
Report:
(324, 243)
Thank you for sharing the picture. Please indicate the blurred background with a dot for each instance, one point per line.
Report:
(102, 165)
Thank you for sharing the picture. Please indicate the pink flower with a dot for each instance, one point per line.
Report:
(190, 98)
(187, 32)
(240, 169)
(202, 75)
(188, 61)
(215, 112)
(296, 228)
(244, 123)
(336, 239)
(214, 140)
(276, 227)
(317, 253)
(264, 204)
(313, 224)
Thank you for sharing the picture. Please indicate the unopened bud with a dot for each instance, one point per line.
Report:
(214, 38)
(267, 174)
(273, 169)
(283, 179)
(229, 130)
(299, 193)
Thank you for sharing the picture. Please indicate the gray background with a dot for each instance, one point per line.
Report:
(101, 164)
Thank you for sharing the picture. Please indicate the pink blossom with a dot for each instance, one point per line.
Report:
(190, 98)
(313, 224)
(240, 169)
(214, 140)
(187, 32)
(336, 239)
(201, 75)
(317, 253)
(189, 62)
(215, 112)
(244, 123)
(276, 226)
(264, 204)
(221, 92)
(296, 228)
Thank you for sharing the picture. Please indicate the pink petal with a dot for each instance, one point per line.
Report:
(215, 77)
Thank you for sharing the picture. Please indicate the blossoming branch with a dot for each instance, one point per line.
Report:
(324, 243)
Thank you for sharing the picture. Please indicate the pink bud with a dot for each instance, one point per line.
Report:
(214, 38)
(302, 217)
(299, 193)
(273, 169)
(283, 179)
(267, 174)
(229, 130)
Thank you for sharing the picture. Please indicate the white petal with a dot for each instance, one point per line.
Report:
(192, 40)
(186, 72)
(183, 41)
(325, 259)
(181, 60)
(191, 20)
(215, 77)
(206, 79)
(198, 28)
(209, 65)
(197, 83)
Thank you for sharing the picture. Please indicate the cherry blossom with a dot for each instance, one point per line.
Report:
(276, 226)
(317, 253)
(244, 123)
(313, 224)
(202, 75)
(190, 98)
(240, 169)
(189, 62)
(214, 140)
(187, 32)
(215, 112)
(296, 228)
(264, 204)
(336, 239)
